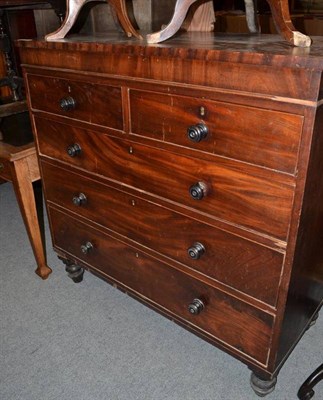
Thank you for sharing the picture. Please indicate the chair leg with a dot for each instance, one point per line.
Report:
(251, 16)
(72, 11)
(181, 9)
(281, 16)
(122, 14)
(306, 391)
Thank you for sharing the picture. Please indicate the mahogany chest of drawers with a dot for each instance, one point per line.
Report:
(190, 175)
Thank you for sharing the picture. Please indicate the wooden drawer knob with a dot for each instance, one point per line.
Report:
(87, 247)
(196, 251)
(198, 190)
(67, 103)
(74, 150)
(196, 307)
(198, 132)
(79, 200)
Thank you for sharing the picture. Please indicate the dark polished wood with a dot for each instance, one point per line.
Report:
(223, 233)
(242, 271)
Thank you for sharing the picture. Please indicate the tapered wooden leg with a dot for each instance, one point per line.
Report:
(120, 8)
(284, 25)
(181, 9)
(72, 11)
(26, 200)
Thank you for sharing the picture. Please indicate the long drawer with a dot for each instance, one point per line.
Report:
(223, 318)
(97, 104)
(228, 194)
(232, 260)
(263, 137)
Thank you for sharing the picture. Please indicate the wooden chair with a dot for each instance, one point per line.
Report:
(306, 391)
(19, 165)
(74, 7)
(280, 13)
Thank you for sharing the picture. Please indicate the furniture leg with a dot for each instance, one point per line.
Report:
(74, 271)
(261, 386)
(72, 11)
(181, 9)
(26, 200)
(284, 25)
(251, 16)
(121, 10)
(306, 391)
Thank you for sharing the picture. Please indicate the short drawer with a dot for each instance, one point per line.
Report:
(223, 318)
(232, 260)
(263, 137)
(228, 193)
(97, 104)
(5, 169)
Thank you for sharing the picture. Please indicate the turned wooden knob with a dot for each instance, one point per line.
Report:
(74, 150)
(67, 103)
(87, 247)
(197, 132)
(198, 190)
(196, 307)
(196, 251)
(79, 200)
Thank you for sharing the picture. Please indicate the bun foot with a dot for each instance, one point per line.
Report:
(262, 387)
(75, 272)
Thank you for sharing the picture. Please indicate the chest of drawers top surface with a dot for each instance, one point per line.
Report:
(197, 59)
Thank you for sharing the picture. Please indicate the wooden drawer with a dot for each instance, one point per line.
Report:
(97, 104)
(241, 264)
(5, 169)
(232, 195)
(225, 319)
(263, 137)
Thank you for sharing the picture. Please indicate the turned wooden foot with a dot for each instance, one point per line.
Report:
(74, 271)
(73, 9)
(262, 387)
(284, 25)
